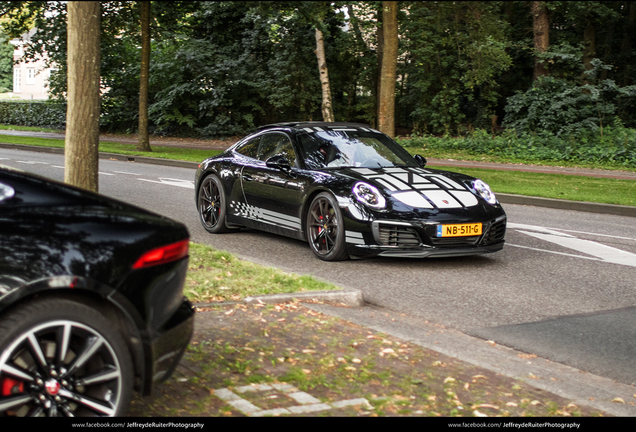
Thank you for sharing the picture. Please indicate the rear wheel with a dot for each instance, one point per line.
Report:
(62, 358)
(325, 228)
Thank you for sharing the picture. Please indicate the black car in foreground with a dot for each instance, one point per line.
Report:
(350, 191)
(91, 299)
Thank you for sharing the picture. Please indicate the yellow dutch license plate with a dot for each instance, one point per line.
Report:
(459, 230)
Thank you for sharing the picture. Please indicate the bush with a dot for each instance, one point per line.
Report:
(562, 107)
(48, 114)
(616, 145)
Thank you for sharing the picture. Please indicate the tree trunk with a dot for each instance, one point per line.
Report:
(81, 154)
(541, 27)
(380, 53)
(589, 42)
(327, 107)
(144, 142)
(386, 118)
(626, 46)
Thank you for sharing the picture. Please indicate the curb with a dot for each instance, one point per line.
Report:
(582, 206)
(613, 209)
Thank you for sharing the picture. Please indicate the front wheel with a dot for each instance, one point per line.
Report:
(211, 205)
(61, 358)
(325, 228)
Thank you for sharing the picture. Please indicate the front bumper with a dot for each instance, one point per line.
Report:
(417, 239)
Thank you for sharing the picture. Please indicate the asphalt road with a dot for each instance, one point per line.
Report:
(562, 289)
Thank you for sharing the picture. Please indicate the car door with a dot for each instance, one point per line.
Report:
(274, 191)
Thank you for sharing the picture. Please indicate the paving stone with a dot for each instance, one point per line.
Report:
(303, 398)
(309, 408)
(285, 388)
(253, 388)
(350, 402)
(272, 412)
(244, 406)
(226, 395)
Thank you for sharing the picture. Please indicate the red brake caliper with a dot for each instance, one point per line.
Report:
(320, 228)
(11, 386)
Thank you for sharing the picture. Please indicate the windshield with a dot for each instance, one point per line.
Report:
(352, 148)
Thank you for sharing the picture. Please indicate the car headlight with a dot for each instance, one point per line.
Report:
(483, 190)
(369, 195)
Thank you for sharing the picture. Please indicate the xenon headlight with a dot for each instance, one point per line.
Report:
(483, 190)
(369, 195)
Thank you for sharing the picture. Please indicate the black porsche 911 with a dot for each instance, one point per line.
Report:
(91, 299)
(350, 191)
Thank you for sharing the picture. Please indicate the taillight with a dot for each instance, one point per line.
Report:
(163, 254)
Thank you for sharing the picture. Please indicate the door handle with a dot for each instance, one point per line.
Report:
(248, 177)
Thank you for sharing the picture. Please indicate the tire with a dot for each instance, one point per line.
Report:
(211, 205)
(325, 228)
(62, 358)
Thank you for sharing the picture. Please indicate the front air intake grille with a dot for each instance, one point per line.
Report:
(396, 235)
(495, 234)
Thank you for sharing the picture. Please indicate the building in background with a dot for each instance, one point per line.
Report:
(30, 80)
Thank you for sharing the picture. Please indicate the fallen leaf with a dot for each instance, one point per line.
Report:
(618, 400)
(511, 404)
(485, 406)
(478, 414)
(535, 402)
(449, 379)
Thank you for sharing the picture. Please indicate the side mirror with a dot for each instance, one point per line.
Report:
(278, 161)
(420, 160)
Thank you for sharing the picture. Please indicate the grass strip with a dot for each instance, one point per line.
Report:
(215, 276)
(161, 152)
(569, 187)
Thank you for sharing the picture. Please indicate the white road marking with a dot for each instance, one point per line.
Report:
(32, 162)
(173, 182)
(601, 251)
(124, 172)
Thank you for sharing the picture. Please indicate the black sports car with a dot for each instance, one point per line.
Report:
(91, 299)
(348, 190)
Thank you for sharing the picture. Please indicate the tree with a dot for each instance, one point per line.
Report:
(327, 106)
(81, 153)
(541, 29)
(386, 117)
(144, 11)
(6, 63)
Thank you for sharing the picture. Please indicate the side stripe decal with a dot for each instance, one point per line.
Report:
(266, 216)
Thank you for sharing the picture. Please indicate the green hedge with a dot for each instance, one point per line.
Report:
(47, 114)
(614, 145)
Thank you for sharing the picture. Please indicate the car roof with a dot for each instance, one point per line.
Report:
(310, 126)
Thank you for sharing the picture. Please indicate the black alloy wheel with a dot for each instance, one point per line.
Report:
(60, 358)
(212, 205)
(325, 229)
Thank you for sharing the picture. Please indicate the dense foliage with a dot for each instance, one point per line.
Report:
(616, 147)
(33, 113)
(222, 68)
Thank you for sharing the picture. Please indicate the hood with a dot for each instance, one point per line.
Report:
(419, 187)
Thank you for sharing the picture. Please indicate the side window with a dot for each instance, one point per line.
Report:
(250, 148)
(276, 143)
